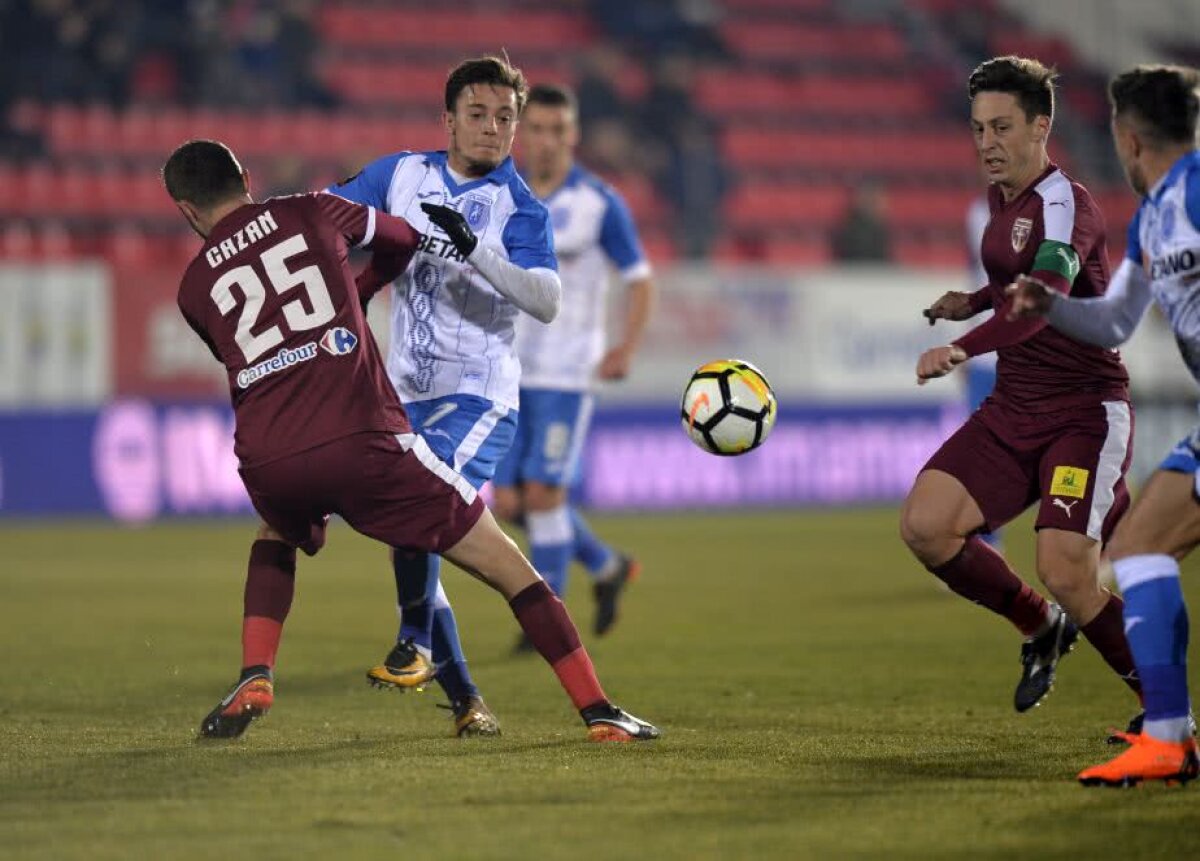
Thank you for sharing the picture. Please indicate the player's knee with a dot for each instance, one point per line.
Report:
(1128, 540)
(1068, 569)
(544, 497)
(920, 528)
(506, 504)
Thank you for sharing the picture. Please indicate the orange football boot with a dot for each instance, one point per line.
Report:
(1147, 758)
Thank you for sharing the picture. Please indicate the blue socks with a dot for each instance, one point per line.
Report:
(416, 585)
(448, 651)
(1156, 625)
(551, 545)
(426, 617)
(592, 553)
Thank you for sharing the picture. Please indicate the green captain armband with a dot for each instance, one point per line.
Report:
(1054, 256)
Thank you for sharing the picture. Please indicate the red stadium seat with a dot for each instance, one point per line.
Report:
(924, 207)
(770, 205)
(444, 27)
(876, 152)
(775, 40)
(799, 252)
(946, 252)
(641, 196)
(744, 8)
(814, 96)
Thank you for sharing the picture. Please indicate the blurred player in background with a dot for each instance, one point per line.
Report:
(319, 430)
(1058, 427)
(1155, 111)
(560, 361)
(486, 256)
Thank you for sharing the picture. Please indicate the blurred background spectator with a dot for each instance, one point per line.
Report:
(862, 237)
(734, 127)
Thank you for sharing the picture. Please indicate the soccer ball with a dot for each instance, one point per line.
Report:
(728, 407)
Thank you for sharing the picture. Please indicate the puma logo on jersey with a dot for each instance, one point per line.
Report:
(1069, 260)
(1065, 506)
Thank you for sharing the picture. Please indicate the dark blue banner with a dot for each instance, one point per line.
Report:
(137, 461)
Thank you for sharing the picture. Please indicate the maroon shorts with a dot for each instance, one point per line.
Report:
(1073, 461)
(391, 488)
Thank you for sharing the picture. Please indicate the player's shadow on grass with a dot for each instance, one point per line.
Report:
(919, 768)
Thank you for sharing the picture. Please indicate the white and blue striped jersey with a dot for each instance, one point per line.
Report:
(593, 234)
(1164, 241)
(452, 332)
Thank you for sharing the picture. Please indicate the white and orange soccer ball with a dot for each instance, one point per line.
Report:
(728, 407)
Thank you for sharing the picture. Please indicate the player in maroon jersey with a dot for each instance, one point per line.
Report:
(319, 428)
(1057, 429)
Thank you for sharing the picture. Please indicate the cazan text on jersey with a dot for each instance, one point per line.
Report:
(439, 247)
(281, 361)
(243, 239)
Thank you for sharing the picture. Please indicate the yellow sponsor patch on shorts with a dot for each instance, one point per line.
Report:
(1069, 481)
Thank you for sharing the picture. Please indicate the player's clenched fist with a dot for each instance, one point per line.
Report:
(1028, 297)
(453, 224)
(952, 306)
(938, 362)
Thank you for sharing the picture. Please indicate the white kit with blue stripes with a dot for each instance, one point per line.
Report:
(1165, 242)
(452, 332)
(593, 234)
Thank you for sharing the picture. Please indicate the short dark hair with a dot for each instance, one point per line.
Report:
(553, 96)
(496, 71)
(1164, 100)
(1031, 82)
(204, 173)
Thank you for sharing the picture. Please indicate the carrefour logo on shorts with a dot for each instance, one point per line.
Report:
(339, 341)
(281, 361)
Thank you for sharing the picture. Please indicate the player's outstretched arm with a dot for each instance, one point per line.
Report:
(537, 292)
(394, 243)
(958, 306)
(1106, 321)
(617, 361)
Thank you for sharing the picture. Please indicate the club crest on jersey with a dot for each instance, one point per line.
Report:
(1021, 229)
(477, 211)
(339, 341)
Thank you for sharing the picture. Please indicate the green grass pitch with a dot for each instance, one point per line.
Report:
(820, 697)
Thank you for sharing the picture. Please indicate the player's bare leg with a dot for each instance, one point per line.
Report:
(1161, 528)
(1069, 566)
(937, 517)
(938, 522)
(490, 555)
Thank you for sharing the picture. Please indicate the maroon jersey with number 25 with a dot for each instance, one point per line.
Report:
(273, 296)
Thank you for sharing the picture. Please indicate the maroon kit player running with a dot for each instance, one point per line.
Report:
(319, 428)
(1057, 429)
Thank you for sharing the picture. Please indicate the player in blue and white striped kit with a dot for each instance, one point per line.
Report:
(1155, 115)
(561, 361)
(485, 258)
